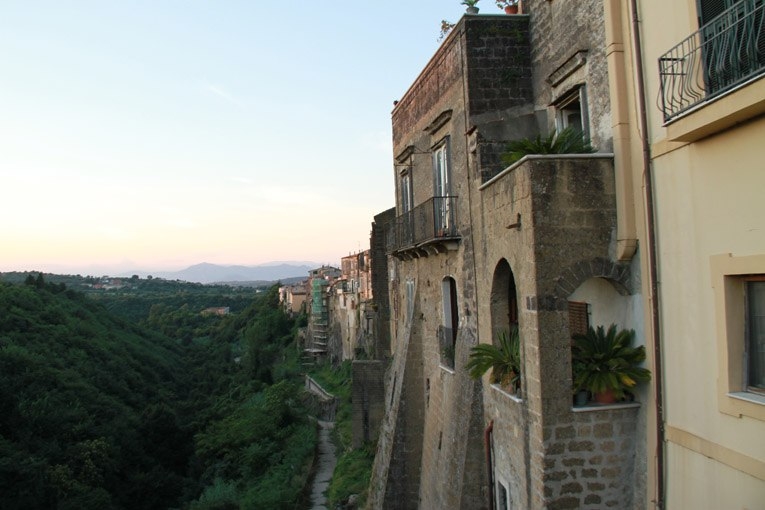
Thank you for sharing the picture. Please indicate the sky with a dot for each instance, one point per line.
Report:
(159, 134)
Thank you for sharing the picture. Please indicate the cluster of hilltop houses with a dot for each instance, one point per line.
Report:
(338, 303)
(660, 231)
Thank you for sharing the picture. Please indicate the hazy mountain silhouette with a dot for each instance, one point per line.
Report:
(212, 273)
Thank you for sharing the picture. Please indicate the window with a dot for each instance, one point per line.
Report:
(409, 285)
(578, 317)
(710, 9)
(448, 333)
(442, 188)
(406, 226)
(571, 111)
(503, 496)
(739, 291)
(406, 192)
(755, 334)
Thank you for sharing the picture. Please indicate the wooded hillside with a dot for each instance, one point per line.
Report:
(99, 412)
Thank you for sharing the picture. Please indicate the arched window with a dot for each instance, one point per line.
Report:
(448, 330)
(504, 301)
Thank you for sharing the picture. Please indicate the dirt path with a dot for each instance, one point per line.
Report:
(325, 465)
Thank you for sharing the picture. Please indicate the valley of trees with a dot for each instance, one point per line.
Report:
(134, 399)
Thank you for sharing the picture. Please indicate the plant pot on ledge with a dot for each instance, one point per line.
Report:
(511, 9)
(605, 397)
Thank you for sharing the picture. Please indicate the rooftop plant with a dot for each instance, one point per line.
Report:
(566, 141)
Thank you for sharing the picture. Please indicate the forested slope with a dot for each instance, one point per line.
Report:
(97, 412)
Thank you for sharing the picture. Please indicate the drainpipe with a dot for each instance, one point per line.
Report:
(652, 265)
(487, 447)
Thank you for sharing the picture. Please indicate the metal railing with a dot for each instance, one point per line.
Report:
(435, 218)
(724, 53)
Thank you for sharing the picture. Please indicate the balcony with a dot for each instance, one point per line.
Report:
(428, 229)
(725, 53)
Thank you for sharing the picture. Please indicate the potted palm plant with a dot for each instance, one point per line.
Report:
(504, 361)
(606, 364)
(565, 141)
(471, 8)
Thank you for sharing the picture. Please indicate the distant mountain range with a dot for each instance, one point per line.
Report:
(213, 273)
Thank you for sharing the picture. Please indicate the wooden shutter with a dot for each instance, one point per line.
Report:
(578, 320)
(709, 9)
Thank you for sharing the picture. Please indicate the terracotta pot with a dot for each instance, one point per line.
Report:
(605, 397)
(511, 9)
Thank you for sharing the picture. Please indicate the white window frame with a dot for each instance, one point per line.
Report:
(407, 198)
(442, 185)
(563, 109)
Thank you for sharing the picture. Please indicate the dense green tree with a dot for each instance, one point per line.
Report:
(97, 411)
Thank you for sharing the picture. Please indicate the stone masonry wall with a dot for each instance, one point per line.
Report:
(559, 30)
(499, 86)
(381, 227)
(368, 399)
(547, 217)
(589, 461)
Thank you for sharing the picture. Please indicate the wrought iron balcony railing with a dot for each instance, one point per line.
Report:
(724, 53)
(434, 219)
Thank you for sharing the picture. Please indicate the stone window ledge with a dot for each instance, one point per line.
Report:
(589, 408)
(499, 389)
(446, 369)
(754, 398)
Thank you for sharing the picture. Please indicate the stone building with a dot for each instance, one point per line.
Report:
(479, 248)
(293, 297)
(351, 313)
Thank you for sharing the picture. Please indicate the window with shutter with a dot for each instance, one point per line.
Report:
(578, 317)
(710, 9)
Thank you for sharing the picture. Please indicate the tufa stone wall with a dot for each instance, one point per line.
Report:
(589, 461)
(368, 399)
(381, 230)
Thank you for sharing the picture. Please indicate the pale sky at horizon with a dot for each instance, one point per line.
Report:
(153, 135)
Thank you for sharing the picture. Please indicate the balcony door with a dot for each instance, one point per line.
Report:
(732, 33)
(442, 190)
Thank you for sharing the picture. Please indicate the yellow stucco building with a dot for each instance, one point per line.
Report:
(687, 82)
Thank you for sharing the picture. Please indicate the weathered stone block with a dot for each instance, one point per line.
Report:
(581, 446)
(573, 462)
(565, 432)
(592, 499)
(571, 488)
(567, 503)
(603, 430)
(557, 476)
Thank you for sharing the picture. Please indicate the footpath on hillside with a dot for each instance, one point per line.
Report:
(327, 458)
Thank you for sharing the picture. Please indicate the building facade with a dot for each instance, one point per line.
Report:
(659, 232)
(480, 248)
(705, 137)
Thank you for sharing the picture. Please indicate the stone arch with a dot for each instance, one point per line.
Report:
(573, 276)
(503, 300)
